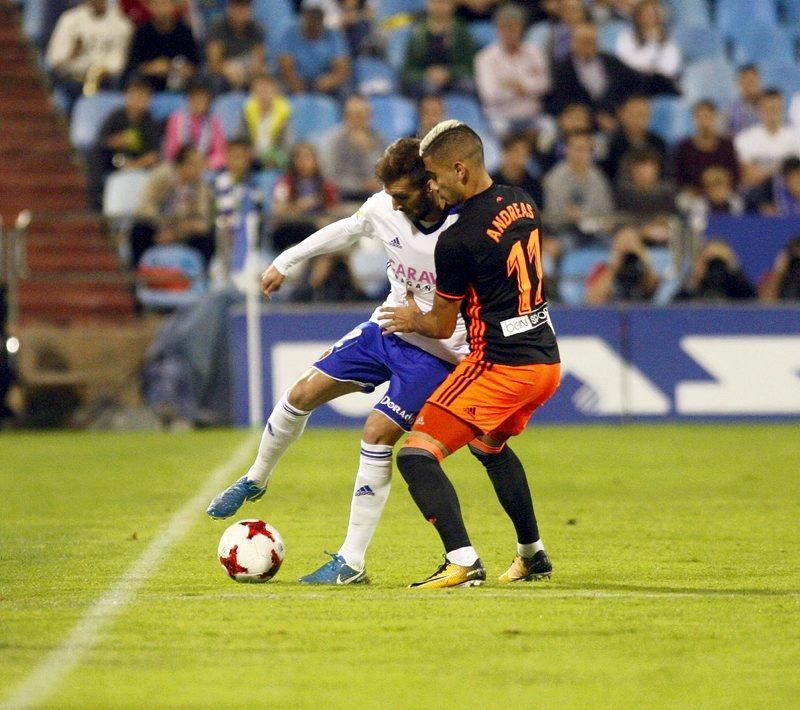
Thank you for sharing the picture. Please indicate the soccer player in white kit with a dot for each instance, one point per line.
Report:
(407, 217)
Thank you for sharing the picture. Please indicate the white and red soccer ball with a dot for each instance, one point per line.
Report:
(251, 551)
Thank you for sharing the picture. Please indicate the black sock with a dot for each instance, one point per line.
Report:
(511, 486)
(434, 495)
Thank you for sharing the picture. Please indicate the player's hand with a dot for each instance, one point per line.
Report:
(271, 281)
(399, 319)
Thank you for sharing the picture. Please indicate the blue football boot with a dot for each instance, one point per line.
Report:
(233, 497)
(335, 571)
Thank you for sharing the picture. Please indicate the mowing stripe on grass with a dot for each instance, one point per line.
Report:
(47, 676)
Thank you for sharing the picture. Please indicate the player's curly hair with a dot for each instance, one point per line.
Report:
(401, 160)
(453, 139)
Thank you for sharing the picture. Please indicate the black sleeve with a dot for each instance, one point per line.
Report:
(151, 135)
(135, 56)
(115, 123)
(451, 272)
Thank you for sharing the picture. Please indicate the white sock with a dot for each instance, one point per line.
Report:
(285, 425)
(464, 556)
(373, 481)
(529, 549)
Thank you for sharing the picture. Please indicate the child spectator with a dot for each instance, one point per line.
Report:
(175, 207)
(300, 198)
(195, 126)
(266, 118)
(645, 194)
(128, 139)
(718, 195)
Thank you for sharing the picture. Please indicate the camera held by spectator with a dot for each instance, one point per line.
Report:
(783, 282)
(717, 276)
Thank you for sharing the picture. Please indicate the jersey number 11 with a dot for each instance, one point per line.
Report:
(525, 262)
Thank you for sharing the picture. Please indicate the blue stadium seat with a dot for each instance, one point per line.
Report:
(396, 47)
(785, 77)
(608, 34)
(575, 266)
(374, 76)
(734, 16)
(483, 32)
(761, 43)
(492, 152)
(88, 116)
(181, 270)
(164, 103)
(466, 108)
(276, 16)
(393, 116)
(228, 109)
(671, 118)
(712, 79)
(689, 13)
(313, 114)
(699, 42)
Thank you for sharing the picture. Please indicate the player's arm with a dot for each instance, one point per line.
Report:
(333, 237)
(439, 322)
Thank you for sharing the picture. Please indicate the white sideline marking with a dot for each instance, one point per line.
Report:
(46, 677)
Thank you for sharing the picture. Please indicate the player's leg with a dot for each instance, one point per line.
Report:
(436, 434)
(526, 388)
(285, 424)
(415, 374)
(510, 483)
(370, 493)
(344, 368)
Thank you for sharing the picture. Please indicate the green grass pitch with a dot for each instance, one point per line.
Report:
(677, 577)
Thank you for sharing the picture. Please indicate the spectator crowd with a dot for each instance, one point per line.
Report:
(598, 109)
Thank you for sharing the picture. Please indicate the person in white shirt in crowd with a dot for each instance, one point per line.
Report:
(646, 45)
(88, 48)
(511, 76)
(762, 148)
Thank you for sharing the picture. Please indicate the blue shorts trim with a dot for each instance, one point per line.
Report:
(369, 358)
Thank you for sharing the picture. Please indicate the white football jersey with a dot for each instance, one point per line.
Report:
(409, 262)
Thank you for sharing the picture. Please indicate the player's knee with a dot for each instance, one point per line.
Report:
(302, 395)
(381, 431)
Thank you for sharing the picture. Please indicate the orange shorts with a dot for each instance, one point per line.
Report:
(488, 398)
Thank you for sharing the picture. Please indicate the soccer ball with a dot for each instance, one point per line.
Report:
(251, 551)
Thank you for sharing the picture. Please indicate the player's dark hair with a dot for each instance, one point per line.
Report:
(401, 160)
(457, 141)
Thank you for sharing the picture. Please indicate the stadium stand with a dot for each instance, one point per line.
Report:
(313, 114)
(393, 116)
(88, 116)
